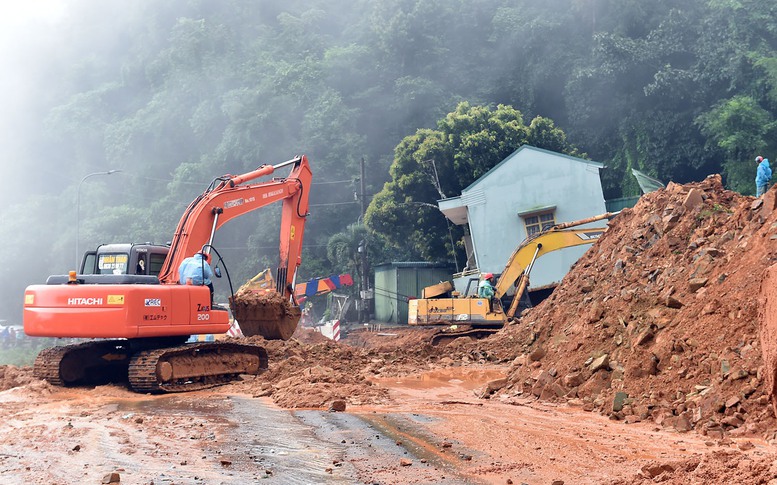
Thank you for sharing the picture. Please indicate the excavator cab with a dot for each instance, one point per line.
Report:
(133, 259)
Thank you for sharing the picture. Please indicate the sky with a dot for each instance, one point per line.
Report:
(23, 28)
(17, 13)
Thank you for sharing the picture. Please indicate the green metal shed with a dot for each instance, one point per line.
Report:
(614, 205)
(397, 281)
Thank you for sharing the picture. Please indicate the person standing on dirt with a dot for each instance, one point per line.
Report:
(195, 270)
(763, 175)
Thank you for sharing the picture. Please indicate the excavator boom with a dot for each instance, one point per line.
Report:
(557, 237)
(226, 199)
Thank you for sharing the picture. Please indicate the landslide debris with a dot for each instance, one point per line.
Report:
(310, 371)
(659, 320)
(12, 376)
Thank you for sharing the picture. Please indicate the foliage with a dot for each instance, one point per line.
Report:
(345, 249)
(739, 127)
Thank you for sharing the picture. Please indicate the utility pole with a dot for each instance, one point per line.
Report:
(361, 187)
(365, 283)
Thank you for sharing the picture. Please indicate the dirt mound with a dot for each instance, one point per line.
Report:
(390, 338)
(660, 319)
(265, 313)
(12, 376)
(308, 336)
(732, 467)
(312, 375)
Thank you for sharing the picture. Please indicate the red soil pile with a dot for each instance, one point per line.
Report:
(659, 320)
(306, 372)
(12, 376)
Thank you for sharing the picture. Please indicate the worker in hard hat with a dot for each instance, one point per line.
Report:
(763, 175)
(486, 289)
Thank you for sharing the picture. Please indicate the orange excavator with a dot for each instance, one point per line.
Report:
(142, 321)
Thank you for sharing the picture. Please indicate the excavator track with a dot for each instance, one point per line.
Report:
(194, 366)
(447, 336)
(95, 362)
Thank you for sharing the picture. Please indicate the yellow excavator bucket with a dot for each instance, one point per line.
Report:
(262, 281)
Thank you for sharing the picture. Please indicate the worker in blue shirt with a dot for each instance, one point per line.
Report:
(762, 176)
(195, 270)
(486, 286)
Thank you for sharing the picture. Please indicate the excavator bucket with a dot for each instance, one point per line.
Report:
(264, 313)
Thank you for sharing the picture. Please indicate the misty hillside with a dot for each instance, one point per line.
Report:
(176, 93)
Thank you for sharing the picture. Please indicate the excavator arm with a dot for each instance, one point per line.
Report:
(231, 196)
(558, 237)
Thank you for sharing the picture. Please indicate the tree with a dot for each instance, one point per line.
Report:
(345, 249)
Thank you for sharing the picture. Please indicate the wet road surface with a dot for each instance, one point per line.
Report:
(257, 441)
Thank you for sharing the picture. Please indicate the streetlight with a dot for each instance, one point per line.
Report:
(78, 208)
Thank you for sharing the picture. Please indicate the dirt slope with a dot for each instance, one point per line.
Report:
(660, 319)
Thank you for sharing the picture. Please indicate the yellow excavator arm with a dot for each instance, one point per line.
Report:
(557, 237)
(520, 263)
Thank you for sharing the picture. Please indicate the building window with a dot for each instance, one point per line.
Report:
(538, 222)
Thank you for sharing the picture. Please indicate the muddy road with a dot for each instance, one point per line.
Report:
(435, 431)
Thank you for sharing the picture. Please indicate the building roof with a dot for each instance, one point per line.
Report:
(454, 209)
(531, 148)
(647, 183)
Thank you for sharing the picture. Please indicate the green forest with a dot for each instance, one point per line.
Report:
(172, 94)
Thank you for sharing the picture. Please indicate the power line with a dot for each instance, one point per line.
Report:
(333, 203)
(332, 182)
(266, 247)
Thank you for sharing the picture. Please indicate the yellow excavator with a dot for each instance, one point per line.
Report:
(476, 317)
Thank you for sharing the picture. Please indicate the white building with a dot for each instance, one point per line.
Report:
(530, 189)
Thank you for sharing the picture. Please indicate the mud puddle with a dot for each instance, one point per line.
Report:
(452, 383)
(457, 377)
